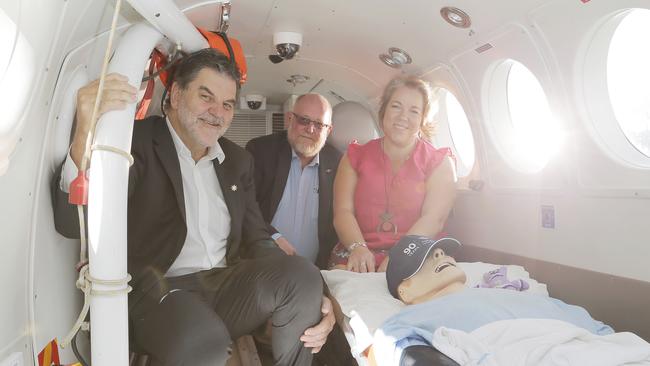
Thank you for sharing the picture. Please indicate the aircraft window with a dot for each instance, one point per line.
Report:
(454, 130)
(628, 78)
(616, 69)
(16, 76)
(522, 124)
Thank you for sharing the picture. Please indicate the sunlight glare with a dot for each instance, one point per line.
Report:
(628, 78)
(537, 133)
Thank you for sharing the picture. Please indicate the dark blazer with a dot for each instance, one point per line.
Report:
(156, 206)
(272, 155)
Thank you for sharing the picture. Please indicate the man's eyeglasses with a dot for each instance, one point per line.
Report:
(305, 122)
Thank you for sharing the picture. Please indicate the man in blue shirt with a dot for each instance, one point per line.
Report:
(294, 177)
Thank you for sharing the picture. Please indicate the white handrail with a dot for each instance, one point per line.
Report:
(107, 208)
(165, 16)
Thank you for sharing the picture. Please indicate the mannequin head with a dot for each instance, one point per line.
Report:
(420, 269)
(438, 276)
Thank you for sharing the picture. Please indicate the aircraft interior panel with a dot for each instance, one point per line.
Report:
(23, 81)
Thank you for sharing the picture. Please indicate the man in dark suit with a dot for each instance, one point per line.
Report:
(204, 268)
(294, 178)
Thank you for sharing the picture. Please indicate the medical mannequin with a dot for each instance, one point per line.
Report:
(424, 276)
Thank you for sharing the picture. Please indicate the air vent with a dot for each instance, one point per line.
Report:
(246, 125)
(277, 122)
(483, 48)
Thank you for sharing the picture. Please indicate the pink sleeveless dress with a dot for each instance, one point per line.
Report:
(377, 187)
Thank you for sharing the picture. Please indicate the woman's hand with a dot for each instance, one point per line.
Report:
(361, 260)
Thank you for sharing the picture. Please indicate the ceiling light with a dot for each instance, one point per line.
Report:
(455, 17)
(395, 57)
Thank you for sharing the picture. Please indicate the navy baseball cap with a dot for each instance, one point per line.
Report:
(408, 254)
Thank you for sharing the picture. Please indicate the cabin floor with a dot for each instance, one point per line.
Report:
(244, 353)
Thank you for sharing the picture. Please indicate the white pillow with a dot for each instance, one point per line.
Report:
(367, 294)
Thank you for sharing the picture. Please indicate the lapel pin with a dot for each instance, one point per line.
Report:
(233, 188)
(327, 171)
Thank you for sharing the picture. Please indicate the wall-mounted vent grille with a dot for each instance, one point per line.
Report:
(247, 125)
(277, 122)
(483, 48)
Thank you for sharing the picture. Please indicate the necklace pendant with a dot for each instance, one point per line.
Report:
(386, 225)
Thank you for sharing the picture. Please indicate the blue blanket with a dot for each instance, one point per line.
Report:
(472, 308)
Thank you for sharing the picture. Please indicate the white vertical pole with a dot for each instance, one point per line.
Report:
(107, 207)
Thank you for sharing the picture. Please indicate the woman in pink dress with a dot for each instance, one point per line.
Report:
(392, 186)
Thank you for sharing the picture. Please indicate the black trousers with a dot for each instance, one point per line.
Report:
(424, 356)
(192, 319)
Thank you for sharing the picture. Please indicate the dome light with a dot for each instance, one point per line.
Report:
(455, 17)
(395, 57)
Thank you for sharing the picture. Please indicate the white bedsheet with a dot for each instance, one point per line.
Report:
(366, 294)
(366, 302)
(540, 342)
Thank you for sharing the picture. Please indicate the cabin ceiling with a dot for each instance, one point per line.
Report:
(342, 39)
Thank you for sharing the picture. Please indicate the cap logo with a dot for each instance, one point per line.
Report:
(410, 249)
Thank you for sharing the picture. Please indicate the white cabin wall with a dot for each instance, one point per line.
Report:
(18, 185)
(602, 207)
(37, 275)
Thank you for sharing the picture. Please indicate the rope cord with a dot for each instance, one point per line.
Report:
(114, 150)
(83, 252)
(85, 283)
(100, 90)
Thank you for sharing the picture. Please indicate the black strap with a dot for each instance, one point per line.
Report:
(228, 46)
(231, 53)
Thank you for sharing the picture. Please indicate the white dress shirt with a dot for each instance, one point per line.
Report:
(206, 213)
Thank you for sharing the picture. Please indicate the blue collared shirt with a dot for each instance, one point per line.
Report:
(297, 215)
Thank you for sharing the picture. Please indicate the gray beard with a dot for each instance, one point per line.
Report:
(308, 150)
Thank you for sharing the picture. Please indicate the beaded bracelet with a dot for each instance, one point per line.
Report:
(355, 245)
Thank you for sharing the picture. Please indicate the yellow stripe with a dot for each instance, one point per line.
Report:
(47, 355)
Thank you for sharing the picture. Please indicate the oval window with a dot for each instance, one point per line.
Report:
(522, 124)
(628, 78)
(615, 87)
(454, 130)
